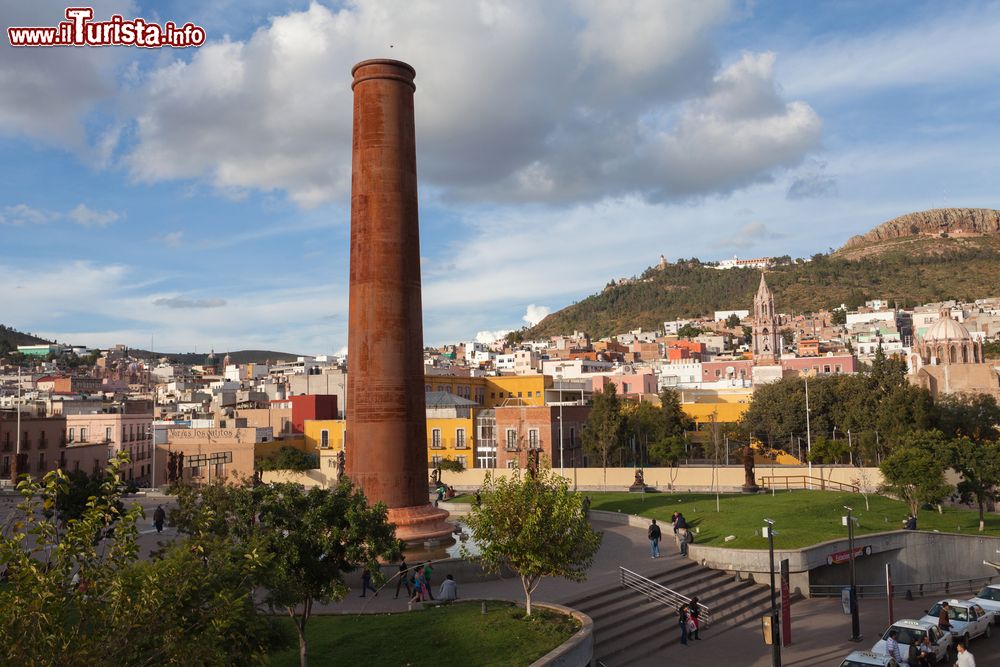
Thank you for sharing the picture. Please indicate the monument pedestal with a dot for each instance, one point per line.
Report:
(421, 523)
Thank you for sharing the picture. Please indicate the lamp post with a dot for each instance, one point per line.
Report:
(855, 619)
(561, 441)
(775, 637)
(808, 434)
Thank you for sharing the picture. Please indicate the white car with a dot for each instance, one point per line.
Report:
(910, 631)
(866, 658)
(989, 599)
(968, 619)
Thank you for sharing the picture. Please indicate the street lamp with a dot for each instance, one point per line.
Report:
(775, 640)
(855, 619)
(559, 378)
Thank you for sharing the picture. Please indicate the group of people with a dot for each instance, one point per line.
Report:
(417, 581)
(682, 535)
(445, 491)
(688, 618)
(922, 654)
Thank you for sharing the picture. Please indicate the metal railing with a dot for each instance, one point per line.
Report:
(924, 589)
(660, 593)
(789, 482)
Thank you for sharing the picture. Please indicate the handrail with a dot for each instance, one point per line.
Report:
(807, 482)
(920, 589)
(660, 593)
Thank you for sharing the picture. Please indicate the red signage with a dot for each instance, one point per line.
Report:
(844, 556)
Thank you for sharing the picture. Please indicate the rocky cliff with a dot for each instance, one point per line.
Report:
(950, 221)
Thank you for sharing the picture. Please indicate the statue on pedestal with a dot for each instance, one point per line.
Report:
(750, 482)
(341, 464)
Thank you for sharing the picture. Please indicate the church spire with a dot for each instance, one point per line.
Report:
(765, 325)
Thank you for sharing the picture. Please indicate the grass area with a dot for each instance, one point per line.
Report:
(502, 637)
(801, 518)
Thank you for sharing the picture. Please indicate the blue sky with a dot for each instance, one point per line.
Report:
(200, 196)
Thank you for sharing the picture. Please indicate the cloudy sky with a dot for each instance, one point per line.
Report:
(201, 196)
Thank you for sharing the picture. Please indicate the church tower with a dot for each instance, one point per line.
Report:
(765, 326)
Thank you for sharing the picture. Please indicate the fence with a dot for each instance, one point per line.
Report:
(925, 589)
(805, 482)
(659, 593)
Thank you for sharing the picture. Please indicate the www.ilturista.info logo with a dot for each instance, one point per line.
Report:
(80, 30)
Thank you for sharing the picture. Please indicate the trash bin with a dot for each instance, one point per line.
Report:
(765, 626)
(845, 599)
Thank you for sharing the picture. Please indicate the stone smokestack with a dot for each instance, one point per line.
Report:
(386, 420)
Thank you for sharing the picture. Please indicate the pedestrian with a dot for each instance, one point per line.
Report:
(654, 539)
(586, 507)
(366, 583)
(695, 612)
(419, 585)
(159, 516)
(892, 646)
(944, 617)
(449, 589)
(910, 523)
(682, 620)
(965, 659)
(925, 652)
(679, 523)
(428, 570)
(685, 537)
(404, 578)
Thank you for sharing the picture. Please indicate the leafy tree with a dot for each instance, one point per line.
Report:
(838, 317)
(288, 458)
(689, 331)
(602, 433)
(975, 416)
(825, 450)
(669, 449)
(979, 465)
(71, 600)
(733, 321)
(74, 496)
(914, 471)
(675, 420)
(535, 526)
(316, 537)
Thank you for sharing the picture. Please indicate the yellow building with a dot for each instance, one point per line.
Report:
(450, 429)
(492, 391)
(724, 407)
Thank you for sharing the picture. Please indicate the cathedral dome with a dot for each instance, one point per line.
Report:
(947, 329)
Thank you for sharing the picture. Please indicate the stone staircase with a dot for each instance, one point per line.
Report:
(629, 627)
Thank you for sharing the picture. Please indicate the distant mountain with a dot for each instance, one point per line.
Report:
(11, 338)
(918, 258)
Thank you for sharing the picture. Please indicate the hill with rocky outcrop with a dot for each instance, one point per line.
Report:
(973, 226)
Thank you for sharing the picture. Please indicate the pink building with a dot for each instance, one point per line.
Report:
(634, 384)
(118, 431)
(831, 365)
(727, 370)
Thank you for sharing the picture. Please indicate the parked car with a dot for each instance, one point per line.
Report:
(989, 599)
(866, 658)
(968, 619)
(911, 631)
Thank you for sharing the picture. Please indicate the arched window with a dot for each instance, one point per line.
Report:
(953, 355)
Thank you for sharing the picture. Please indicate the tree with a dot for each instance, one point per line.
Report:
(825, 450)
(602, 433)
(979, 465)
(733, 321)
(73, 600)
(316, 537)
(689, 331)
(838, 317)
(288, 458)
(675, 420)
(975, 416)
(535, 526)
(914, 471)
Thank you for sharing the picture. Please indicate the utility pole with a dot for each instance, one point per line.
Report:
(17, 435)
(855, 618)
(808, 435)
(775, 635)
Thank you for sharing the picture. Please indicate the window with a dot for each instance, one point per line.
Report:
(324, 439)
(428, 388)
(519, 394)
(72, 435)
(435, 461)
(436, 439)
(41, 461)
(511, 463)
(511, 439)
(83, 434)
(460, 438)
(826, 368)
(107, 434)
(461, 461)
(572, 436)
(718, 373)
(838, 368)
(533, 438)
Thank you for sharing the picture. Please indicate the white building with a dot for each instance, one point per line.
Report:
(737, 263)
(721, 315)
(869, 318)
(574, 368)
(680, 375)
(671, 328)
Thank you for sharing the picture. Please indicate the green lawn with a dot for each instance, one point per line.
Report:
(801, 518)
(450, 634)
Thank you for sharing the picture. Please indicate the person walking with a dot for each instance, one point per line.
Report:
(680, 524)
(404, 578)
(685, 538)
(682, 620)
(418, 585)
(892, 646)
(694, 611)
(944, 618)
(965, 659)
(366, 583)
(449, 589)
(428, 570)
(159, 516)
(654, 539)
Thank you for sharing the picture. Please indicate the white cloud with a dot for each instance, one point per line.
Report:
(172, 239)
(22, 214)
(748, 235)
(535, 314)
(489, 337)
(88, 217)
(641, 103)
(181, 302)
